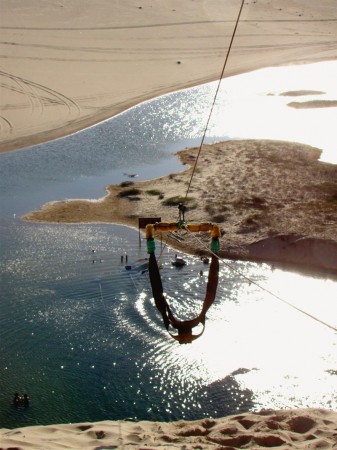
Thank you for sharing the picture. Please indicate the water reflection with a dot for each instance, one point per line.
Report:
(262, 112)
(98, 333)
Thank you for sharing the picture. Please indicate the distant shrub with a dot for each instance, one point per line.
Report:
(154, 192)
(174, 201)
(126, 183)
(129, 192)
(189, 202)
(219, 218)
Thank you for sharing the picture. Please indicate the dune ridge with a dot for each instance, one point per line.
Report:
(283, 429)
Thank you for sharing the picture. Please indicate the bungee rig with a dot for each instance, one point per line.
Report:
(185, 328)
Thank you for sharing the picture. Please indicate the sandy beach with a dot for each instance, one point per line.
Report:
(67, 65)
(285, 429)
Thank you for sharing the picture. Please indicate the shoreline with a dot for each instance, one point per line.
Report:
(66, 128)
(258, 191)
(106, 113)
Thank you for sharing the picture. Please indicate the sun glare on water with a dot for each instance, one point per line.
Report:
(258, 106)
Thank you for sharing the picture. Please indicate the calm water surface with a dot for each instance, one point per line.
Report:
(82, 337)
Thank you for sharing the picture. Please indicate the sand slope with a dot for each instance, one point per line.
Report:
(68, 64)
(288, 429)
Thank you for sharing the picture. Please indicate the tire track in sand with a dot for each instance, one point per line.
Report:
(5, 126)
(38, 95)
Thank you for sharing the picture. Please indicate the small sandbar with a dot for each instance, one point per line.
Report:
(257, 190)
(314, 104)
(300, 93)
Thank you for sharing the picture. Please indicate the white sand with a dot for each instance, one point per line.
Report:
(299, 429)
(68, 64)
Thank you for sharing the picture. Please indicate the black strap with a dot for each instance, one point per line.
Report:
(184, 327)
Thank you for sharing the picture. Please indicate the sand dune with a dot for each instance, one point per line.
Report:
(66, 65)
(285, 429)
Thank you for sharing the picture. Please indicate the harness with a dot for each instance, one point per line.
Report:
(185, 328)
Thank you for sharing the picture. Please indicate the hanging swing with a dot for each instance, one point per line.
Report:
(185, 328)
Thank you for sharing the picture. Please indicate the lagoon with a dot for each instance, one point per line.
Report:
(83, 338)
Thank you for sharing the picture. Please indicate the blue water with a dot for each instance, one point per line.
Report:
(83, 338)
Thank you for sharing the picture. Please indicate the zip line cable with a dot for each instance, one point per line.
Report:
(215, 96)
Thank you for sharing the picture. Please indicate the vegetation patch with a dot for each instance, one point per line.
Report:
(327, 189)
(154, 192)
(220, 218)
(250, 202)
(174, 201)
(126, 183)
(129, 192)
(253, 222)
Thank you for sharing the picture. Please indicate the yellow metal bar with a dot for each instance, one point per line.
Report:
(165, 227)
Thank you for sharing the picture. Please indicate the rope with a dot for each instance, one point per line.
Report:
(277, 297)
(215, 96)
(184, 327)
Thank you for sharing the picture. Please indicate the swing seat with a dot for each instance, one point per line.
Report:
(185, 328)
